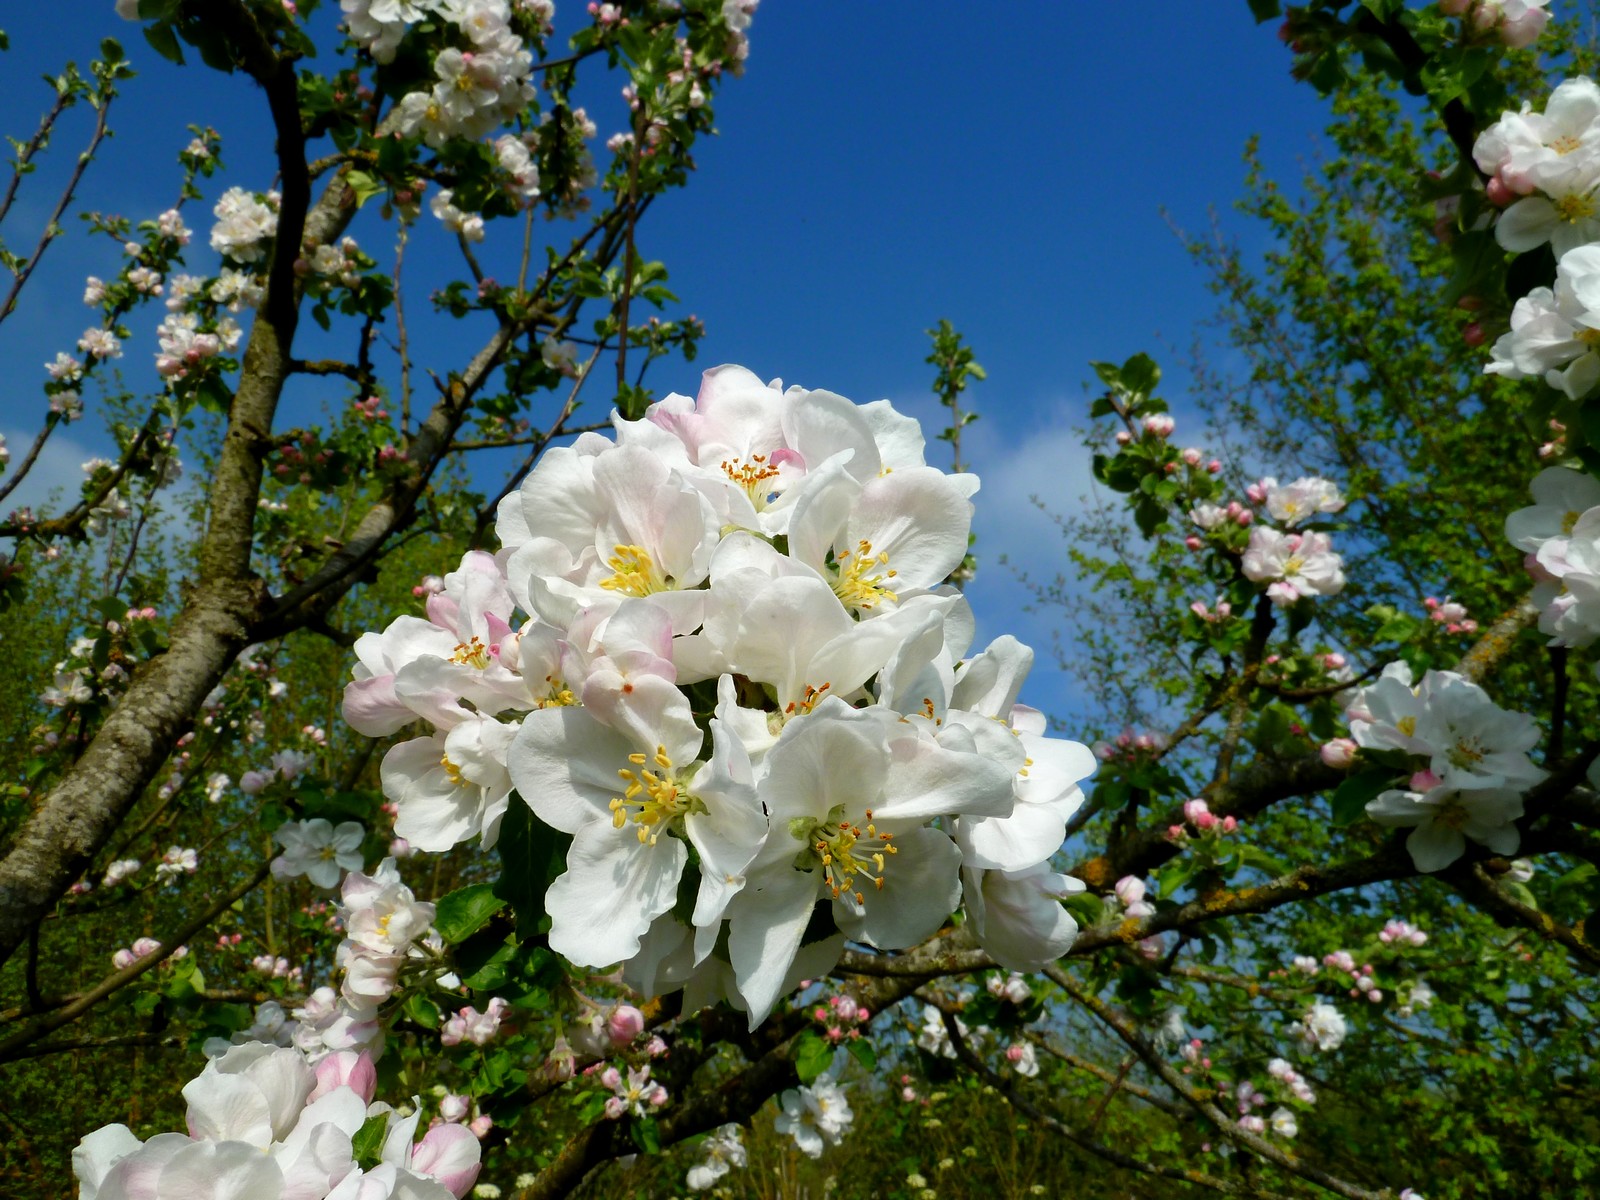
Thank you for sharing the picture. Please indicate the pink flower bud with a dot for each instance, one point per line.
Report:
(346, 1068)
(611, 1078)
(655, 1047)
(1424, 781)
(1015, 1052)
(1193, 810)
(1192, 456)
(454, 1107)
(1130, 889)
(1474, 334)
(615, 1107)
(1339, 753)
(1193, 543)
(1123, 437)
(1244, 518)
(1159, 425)
(1214, 467)
(624, 1024)
(450, 1154)
(1229, 824)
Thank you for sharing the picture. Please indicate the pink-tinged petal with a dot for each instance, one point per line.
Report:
(451, 1154)
(822, 424)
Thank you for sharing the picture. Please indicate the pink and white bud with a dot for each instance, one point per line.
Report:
(624, 1024)
(1192, 456)
(346, 1068)
(1123, 437)
(455, 1107)
(450, 1154)
(1159, 425)
(252, 782)
(1338, 753)
(1424, 781)
(1130, 889)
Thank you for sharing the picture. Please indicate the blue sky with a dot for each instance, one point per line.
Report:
(879, 166)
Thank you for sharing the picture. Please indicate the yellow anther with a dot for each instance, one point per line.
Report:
(650, 801)
(754, 477)
(634, 573)
(452, 771)
(861, 582)
(471, 654)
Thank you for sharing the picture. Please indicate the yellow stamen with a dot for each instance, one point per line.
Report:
(634, 573)
(861, 582)
(471, 654)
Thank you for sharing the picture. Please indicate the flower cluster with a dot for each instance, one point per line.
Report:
(384, 924)
(479, 83)
(814, 1116)
(264, 1122)
(742, 678)
(723, 1151)
(1560, 533)
(246, 223)
(1470, 755)
(1323, 1026)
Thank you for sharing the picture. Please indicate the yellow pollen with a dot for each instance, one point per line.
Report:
(752, 476)
(1588, 337)
(559, 694)
(1293, 564)
(650, 800)
(862, 582)
(812, 698)
(847, 852)
(634, 573)
(1565, 144)
(1575, 207)
(471, 654)
(1407, 725)
(453, 771)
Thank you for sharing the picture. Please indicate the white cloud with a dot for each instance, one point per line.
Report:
(58, 469)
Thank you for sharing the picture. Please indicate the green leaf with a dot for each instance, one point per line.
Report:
(1174, 875)
(530, 851)
(1140, 374)
(165, 42)
(364, 186)
(1265, 10)
(861, 1050)
(367, 1146)
(812, 1057)
(1351, 797)
(1086, 908)
(465, 911)
(646, 1135)
(485, 962)
(423, 1010)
